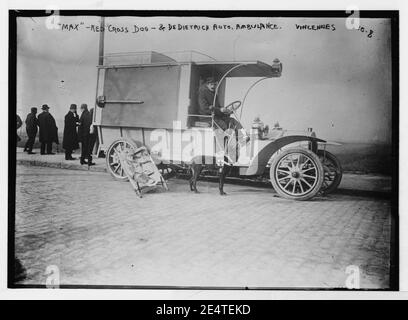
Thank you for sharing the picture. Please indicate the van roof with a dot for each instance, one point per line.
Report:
(233, 68)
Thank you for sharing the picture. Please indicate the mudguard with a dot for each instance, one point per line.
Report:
(259, 162)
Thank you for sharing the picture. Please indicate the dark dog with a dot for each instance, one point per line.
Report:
(195, 173)
(222, 171)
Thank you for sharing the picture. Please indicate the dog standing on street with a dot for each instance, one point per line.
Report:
(196, 169)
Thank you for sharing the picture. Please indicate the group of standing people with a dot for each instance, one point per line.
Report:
(79, 129)
(48, 130)
(76, 129)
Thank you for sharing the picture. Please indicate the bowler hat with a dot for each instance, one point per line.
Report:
(45, 107)
(33, 109)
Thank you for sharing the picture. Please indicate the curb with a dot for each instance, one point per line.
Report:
(60, 165)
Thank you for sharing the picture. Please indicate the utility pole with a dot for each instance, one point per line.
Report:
(100, 63)
(101, 41)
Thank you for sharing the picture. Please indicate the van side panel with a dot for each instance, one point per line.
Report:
(144, 97)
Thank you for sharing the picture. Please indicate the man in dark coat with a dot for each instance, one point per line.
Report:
(70, 140)
(48, 130)
(93, 133)
(31, 129)
(84, 135)
(222, 117)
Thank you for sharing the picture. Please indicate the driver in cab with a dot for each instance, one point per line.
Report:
(222, 116)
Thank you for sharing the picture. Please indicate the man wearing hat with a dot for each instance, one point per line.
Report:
(31, 129)
(70, 140)
(222, 117)
(84, 135)
(48, 130)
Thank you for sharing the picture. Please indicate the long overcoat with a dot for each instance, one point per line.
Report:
(48, 127)
(70, 139)
(31, 125)
(85, 123)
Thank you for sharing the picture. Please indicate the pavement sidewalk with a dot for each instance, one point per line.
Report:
(58, 161)
(351, 182)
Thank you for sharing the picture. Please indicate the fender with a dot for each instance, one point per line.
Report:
(259, 162)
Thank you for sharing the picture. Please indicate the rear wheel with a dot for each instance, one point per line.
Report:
(120, 146)
(332, 171)
(296, 174)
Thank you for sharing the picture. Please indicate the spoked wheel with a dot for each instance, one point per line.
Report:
(119, 147)
(296, 174)
(332, 171)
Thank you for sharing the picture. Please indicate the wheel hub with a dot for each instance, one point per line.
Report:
(296, 174)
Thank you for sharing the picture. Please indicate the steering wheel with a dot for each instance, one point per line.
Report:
(233, 106)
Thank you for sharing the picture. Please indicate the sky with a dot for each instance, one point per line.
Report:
(335, 80)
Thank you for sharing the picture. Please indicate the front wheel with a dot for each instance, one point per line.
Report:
(297, 174)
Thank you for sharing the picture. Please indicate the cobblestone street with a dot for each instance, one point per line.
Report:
(97, 232)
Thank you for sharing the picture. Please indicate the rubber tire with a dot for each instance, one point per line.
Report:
(319, 168)
(135, 144)
(338, 178)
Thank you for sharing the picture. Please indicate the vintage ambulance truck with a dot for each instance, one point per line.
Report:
(149, 100)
